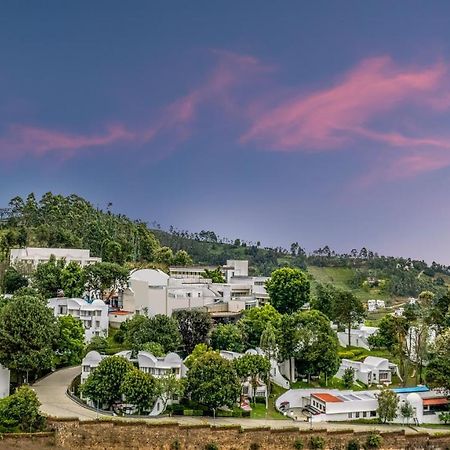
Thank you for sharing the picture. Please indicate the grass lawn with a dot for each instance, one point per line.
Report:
(259, 409)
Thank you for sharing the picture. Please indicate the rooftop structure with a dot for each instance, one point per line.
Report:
(33, 256)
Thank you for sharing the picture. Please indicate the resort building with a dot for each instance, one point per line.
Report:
(93, 315)
(31, 256)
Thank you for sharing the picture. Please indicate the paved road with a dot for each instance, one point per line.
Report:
(51, 391)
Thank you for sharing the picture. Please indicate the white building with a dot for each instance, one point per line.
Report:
(33, 256)
(94, 316)
(4, 381)
(154, 292)
(372, 370)
(358, 337)
(373, 305)
(326, 405)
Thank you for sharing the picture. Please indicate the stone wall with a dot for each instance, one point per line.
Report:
(118, 434)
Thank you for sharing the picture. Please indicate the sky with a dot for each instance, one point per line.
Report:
(321, 122)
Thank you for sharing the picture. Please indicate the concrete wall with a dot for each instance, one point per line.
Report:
(115, 434)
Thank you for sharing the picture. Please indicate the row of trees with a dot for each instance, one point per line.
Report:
(32, 340)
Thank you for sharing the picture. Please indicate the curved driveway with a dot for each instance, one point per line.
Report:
(51, 392)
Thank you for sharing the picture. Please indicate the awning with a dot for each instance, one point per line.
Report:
(435, 401)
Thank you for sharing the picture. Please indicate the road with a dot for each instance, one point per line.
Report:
(51, 392)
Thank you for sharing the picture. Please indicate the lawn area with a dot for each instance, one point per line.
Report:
(259, 409)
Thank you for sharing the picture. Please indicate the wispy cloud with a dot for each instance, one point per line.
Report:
(175, 120)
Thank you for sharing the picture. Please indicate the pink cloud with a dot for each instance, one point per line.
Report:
(175, 120)
(328, 118)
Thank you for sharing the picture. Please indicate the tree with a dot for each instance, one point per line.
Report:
(21, 411)
(72, 280)
(438, 369)
(27, 334)
(13, 281)
(182, 258)
(70, 341)
(47, 277)
(228, 337)
(288, 289)
(106, 277)
(197, 353)
(349, 310)
(194, 326)
(324, 299)
(164, 255)
(154, 348)
(103, 385)
(407, 411)
(387, 334)
(348, 377)
(98, 343)
(140, 389)
(255, 367)
(160, 329)
(170, 387)
(444, 417)
(308, 338)
(212, 381)
(215, 275)
(268, 342)
(255, 320)
(387, 405)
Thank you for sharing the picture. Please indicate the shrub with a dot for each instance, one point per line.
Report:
(237, 413)
(316, 443)
(353, 445)
(255, 446)
(374, 440)
(175, 445)
(224, 413)
(298, 444)
(188, 412)
(347, 355)
(246, 413)
(211, 446)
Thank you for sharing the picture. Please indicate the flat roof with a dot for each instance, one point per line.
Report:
(435, 401)
(327, 398)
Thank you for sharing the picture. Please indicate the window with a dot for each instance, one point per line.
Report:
(357, 415)
(373, 413)
(349, 415)
(364, 414)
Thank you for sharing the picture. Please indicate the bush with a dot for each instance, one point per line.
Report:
(193, 412)
(246, 413)
(346, 355)
(211, 446)
(255, 446)
(374, 440)
(316, 443)
(175, 445)
(353, 445)
(224, 413)
(237, 413)
(298, 444)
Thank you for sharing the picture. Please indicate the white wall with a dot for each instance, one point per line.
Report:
(4, 381)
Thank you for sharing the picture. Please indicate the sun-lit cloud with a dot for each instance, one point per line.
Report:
(175, 120)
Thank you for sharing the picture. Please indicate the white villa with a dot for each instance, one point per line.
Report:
(4, 381)
(372, 370)
(325, 405)
(94, 316)
(358, 337)
(373, 305)
(33, 256)
(154, 292)
(145, 361)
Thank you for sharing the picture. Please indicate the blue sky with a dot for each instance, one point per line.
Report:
(317, 122)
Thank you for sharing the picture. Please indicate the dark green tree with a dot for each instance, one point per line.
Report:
(13, 281)
(212, 382)
(28, 331)
(228, 337)
(348, 310)
(387, 405)
(140, 389)
(70, 341)
(288, 289)
(103, 386)
(106, 278)
(254, 367)
(194, 326)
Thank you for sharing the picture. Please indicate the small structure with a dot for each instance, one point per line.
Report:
(94, 316)
(373, 305)
(372, 370)
(358, 337)
(4, 381)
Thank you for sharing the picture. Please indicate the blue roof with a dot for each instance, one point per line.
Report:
(407, 390)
